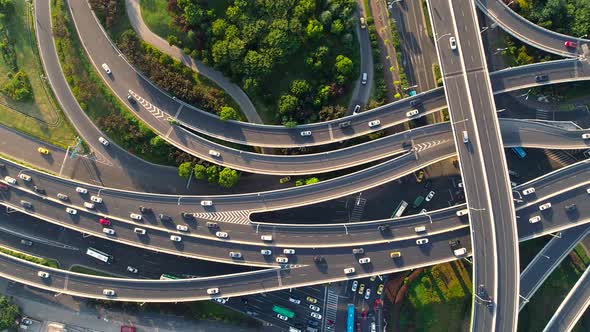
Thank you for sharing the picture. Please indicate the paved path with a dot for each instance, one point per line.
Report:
(134, 13)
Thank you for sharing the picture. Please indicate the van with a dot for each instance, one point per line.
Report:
(463, 212)
(460, 251)
(364, 80)
(266, 238)
(89, 205)
(349, 270)
(138, 230)
(465, 137)
(420, 229)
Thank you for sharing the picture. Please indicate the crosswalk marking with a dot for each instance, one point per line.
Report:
(359, 208)
(155, 111)
(234, 217)
(331, 309)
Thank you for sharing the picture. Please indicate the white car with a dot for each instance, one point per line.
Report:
(108, 292)
(364, 260)
(293, 300)
(411, 113)
(213, 291)
(316, 315)
(220, 300)
(103, 141)
(281, 317)
(586, 136)
(89, 205)
(535, 219)
(81, 190)
(544, 206)
(222, 235)
(139, 231)
(528, 191)
(305, 133)
(460, 251)
(265, 252)
(355, 285)
(374, 123)
(214, 153)
(289, 251)
(108, 231)
(314, 307)
(71, 211)
(453, 43)
(24, 177)
(10, 180)
(96, 199)
(135, 216)
(206, 203)
(131, 269)
(63, 197)
(235, 254)
(106, 68)
(183, 228)
(357, 109)
(429, 196)
(349, 270)
(422, 241)
(43, 274)
(282, 260)
(175, 238)
(368, 294)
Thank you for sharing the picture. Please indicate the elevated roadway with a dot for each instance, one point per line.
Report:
(573, 306)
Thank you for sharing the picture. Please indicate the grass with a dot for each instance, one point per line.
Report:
(156, 16)
(437, 75)
(367, 9)
(40, 117)
(37, 260)
(439, 298)
(427, 19)
(86, 270)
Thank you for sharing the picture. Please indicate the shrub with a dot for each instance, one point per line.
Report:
(228, 177)
(19, 87)
(184, 169)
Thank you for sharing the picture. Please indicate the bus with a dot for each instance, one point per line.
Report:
(350, 319)
(418, 201)
(101, 256)
(283, 311)
(168, 277)
(399, 211)
(519, 151)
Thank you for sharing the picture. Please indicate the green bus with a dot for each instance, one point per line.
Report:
(283, 311)
(168, 277)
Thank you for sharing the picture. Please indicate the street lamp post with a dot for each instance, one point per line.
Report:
(446, 34)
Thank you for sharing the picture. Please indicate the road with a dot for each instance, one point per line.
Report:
(483, 164)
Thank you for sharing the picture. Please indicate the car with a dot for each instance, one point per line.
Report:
(528, 191)
(42, 150)
(586, 136)
(314, 307)
(380, 289)
(135, 216)
(422, 241)
(214, 153)
(81, 190)
(39, 190)
(415, 102)
(541, 78)
(206, 203)
(465, 137)
(420, 176)
(420, 229)
(545, 206)
(355, 285)
(284, 179)
(363, 23)
(294, 300)
(460, 251)
(281, 317)
(535, 219)
(27, 243)
(313, 323)
(96, 199)
(430, 195)
(175, 238)
(311, 300)
(25, 177)
(220, 300)
(103, 141)
(319, 259)
(139, 231)
(305, 133)
(222, 235)
(104, 221)
(108, 231)
(131, 269)
(130, 99)
(349, 270)
(235, 254)
(26, 321)
(26, 204)
(289, 251)
(187, 215)
(357, 109)
(10, 180)
(145, 210)
(316, 315)
(182, 228)
(89, 205)
(71, 211)
(384, 228)
(365, 260)
(453, 43)
(212, 225)
(373, 278)
(267, 238)
(43, 274)
(570, 207)
(374, 123)
(463, 212)
(395, 254)
(108, 292)
(361, 289)
(344, 124)
(106, 68)
(571, 44)
(411, 113)
(282, 260)
(63, 197)
(368, 294)
(364, 78)
(213, 291)
(164, 217)
(358, 251)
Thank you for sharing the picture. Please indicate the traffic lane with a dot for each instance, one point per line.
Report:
(443, 28)
(540, 135)
(565, 177)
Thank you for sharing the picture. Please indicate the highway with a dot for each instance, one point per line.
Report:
(573, 306)
(483, 164)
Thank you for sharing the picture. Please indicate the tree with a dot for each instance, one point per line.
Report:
(314, 29)
(212, 174)
(344, 66)
(18, 87)
(326, 18)
(288, 104)
(300, 88)
(9, 312)
(228, 113)
(337, 27)
(290, 124)
(200, 172)
(184, 169)
(228, 177)
(312, 180)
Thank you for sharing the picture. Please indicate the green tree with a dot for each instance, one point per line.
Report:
(212, 174)
(200, 172)
(228, 177)
(344, 66)
(218, 27)
(304, 9)
(337, 27)
(290, 124)
(314, 29)
(288, 104)
(228, 113)
(184, 169)
(157, 142)
(312, 180)
(18, 87)
(9, 312)
(326, 18)
(300, 88)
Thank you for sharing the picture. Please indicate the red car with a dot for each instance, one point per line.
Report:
(571, 44)
(105, 222)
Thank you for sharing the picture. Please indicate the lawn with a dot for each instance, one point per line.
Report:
(40, 117)
(86, 270)
(439, 300)
(37, 260)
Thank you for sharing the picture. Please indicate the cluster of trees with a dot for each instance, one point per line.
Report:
(107, 9)
(18, 87)
(9, 313)
(303, 182)
(225, 177)
(570, 17)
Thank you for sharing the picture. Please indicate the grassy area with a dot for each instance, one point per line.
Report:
(156, 17)
(39, 117)
(438, 300)
(437, 75)
(427, 19)
(37, 260)
(368, 8)
(86, 270)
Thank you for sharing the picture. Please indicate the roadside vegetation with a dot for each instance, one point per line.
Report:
(427, 19)
(37, 260)
(9, 313)
(293, 59)
(402, 85)
(26, 100)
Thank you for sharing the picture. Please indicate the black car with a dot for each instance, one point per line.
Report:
(144, 209)
(164, 217)
(570, 207)
(344, 124)
(454, 244)
(542, 78)
(313, 323)
(131, 99)
(188, 215)
(383, 228)
(319, 259)
(39, 190)
(415, 102)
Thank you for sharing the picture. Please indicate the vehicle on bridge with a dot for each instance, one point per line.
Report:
(283, 311)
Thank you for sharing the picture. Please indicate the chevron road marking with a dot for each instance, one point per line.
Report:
(427, 145)
(234, 217)
(155, 111)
